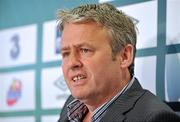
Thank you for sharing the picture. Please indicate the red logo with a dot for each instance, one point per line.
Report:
(14, 92)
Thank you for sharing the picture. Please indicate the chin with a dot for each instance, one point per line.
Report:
(76, 94)
(79, 96)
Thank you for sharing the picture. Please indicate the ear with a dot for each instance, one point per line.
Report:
(126, 56)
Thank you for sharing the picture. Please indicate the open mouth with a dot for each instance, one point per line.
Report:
(78, 77)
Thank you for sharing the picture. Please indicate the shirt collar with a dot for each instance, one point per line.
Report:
(76, 111)
(100, 111)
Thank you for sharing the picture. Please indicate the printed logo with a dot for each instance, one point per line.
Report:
(15, 50)
(60, 83)
(14, 92)
(57, 42)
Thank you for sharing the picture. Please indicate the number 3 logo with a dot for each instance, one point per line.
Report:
(15, 50)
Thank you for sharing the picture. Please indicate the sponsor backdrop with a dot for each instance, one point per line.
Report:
(32, 87)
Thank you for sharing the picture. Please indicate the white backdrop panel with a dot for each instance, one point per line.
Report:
(17, 91)
(145, 71)
(173, 22)
(54, 89)
(50, 42)
(145, 15)
(18, 46)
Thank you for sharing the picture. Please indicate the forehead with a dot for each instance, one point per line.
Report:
(86, 28)
(78, 32)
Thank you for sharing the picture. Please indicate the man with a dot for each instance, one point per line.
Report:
(98, 47)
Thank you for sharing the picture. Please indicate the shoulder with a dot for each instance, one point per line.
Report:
(154, 116)
(152, 102)
(163, 116)
(149, 103)
(149, 108)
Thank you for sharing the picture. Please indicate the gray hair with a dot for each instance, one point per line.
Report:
(120, 27)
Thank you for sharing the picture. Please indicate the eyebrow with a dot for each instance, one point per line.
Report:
(83, 44)
(77, 45)
(65, 48)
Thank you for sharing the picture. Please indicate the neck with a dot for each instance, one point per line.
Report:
(95, 102)
(88, 117)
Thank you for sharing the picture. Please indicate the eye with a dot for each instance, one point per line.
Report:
(85, 50)
(65, 54)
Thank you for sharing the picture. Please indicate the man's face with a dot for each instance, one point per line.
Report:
(89, 70)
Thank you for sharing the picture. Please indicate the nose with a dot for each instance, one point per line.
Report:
(74, 61)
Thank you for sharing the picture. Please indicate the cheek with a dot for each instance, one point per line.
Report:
(99, 65)
(97, 70)
(64, 70)
(103, 68)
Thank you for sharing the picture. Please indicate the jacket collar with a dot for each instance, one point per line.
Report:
(123, 103)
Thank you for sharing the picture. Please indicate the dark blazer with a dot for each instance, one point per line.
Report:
(135, 105)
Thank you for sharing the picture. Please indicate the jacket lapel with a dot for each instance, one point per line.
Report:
(123, 104)
(64, 119)
(63, 116)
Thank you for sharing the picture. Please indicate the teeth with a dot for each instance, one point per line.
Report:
(78, 78)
